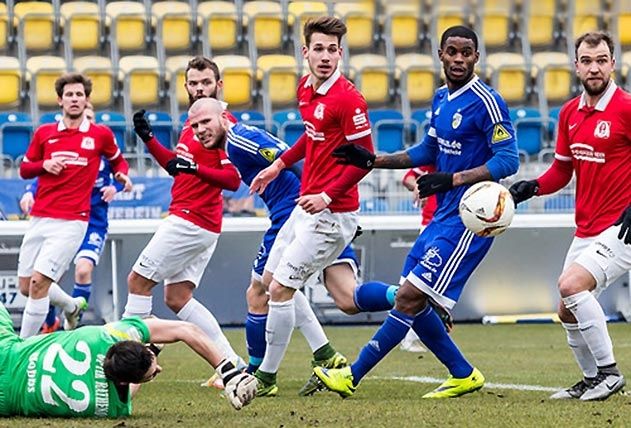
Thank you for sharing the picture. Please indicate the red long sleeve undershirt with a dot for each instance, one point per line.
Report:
(555, 178)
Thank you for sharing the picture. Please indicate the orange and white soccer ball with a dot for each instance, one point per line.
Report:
(487, 208)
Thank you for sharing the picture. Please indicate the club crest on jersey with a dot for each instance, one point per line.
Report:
(431, 259)
(319, 111)
(87, 143)
(499, 134)
(456, 120)
(269, 154)
(603, 129)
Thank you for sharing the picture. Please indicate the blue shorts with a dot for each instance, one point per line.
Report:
(93, 244)
(258, 266)
(442, 260)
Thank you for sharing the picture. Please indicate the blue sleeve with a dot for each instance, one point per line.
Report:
(31, 187)
(500, 136)
(119, 186)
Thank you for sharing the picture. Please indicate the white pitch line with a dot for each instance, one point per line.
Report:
(514, 386)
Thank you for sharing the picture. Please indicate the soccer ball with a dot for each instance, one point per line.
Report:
(487, 208)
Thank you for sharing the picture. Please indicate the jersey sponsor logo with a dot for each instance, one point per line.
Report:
(499, 134)
(603, 129)
(456, 120)
(587, 153)
(311, 132)
(318, 113)
(70, 158)
(449, 147)
(87, 143)
(360, 120)
(269, 154)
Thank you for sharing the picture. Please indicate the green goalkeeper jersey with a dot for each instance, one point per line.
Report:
(61, 374)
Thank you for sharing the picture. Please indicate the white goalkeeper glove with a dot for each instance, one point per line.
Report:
(240, 387)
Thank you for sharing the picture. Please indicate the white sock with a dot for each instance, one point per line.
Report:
(308, 323)
(280, 324)
(581, 351)
(593, 326)
(196, 313)
(138, 305)
(60, 298)
(34, 315)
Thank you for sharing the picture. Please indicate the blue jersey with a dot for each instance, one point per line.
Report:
(468, 128)
(250, 150)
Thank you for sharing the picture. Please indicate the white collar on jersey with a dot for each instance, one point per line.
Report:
(603, 102)
(469, 84)
(324, 88)
(85, 125)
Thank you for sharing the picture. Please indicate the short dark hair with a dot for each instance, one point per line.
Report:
(127, 362)
(69, 78)
(329, 25)
(459, 31)
(593, 39)
(201, 63)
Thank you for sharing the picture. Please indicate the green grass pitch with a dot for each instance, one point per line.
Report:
(521, 355)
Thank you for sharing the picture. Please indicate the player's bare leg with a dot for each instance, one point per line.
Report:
(340, 281)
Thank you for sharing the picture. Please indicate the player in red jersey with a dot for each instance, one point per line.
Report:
(593, 142)
(66, 158)
(185, 241)
(325, 218)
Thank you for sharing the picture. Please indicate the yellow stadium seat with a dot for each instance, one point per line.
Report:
(10, 82)
(141, 80)
(42, 72)
(554, 74)
(403, 24)
(621, 16)
(264, 20)
(4, 27)
(220, 26)
(625, 67)
(417, 78)
(585, 16)
(279, 77)
(372, 77)
(82, 25)
(509, 75)
(447, 13)
(99, 70)
(127, 21)
(176, 76)
(237, 76)
(539, 20)
(174, 26)
(496, 20)
(359, 19)
(303, 10)
(36, 30)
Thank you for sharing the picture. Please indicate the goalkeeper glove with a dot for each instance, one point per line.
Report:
(240, 387)
(177, 165)
(352, 154)
(142, 127)
(523, 190)
(434, 182)
(625, 228)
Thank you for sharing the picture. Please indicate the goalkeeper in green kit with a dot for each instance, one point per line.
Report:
(94, 371)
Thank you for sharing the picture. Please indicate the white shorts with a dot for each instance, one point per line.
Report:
(307, 243)
(49, 246)
(605, 256)
(178, 251)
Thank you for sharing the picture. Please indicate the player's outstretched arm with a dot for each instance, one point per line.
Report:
(265, 176)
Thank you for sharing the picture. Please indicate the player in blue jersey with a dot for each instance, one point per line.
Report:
(90, 250)
(470, 139)
(251, 149)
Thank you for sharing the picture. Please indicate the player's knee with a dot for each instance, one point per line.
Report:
(574, 280)
(24, 285)
(347, 305)
(257, 299)
(175, 302)
(38, 286)
(83, 272)
(565, 315)
(280, 293)
(409, 300)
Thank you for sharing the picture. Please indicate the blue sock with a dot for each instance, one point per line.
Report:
(50, 317)
(391, 332)
(374, 296)
(431, 330)
(82, 290)
(255, 340)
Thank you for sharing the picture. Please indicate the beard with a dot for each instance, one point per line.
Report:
(595, 90)
(74, 116)
(193, 98)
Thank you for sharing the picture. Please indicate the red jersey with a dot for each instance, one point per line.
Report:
(597, 143)
(193, 199)
(334, 114)
(67, 195)
(431, 203)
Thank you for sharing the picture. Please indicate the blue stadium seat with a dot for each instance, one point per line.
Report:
(553, 114)
(406, 206)
(290, 126)
(117, 123)
(421, 116)
(162, 126)
(388, 130)
(528, 125)
(251, 117)
(373, 206)
(16, 129)
(559, 203)
(52, 117)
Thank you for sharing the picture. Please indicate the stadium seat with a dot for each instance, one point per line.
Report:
(127, 25)
(298, 12)
(278, 75)
(51, 117)
(162, 126)
(141, 81)
(417, 78)
(372, 76)
(175, 74)
(538, 21)
(621, 21)
(36, 29)
(43, 71)
(554, 75)
(5, 28)
(238, 79)
(290, 125)
(583, 16)
(100, 71)
(220, 26)
(375, 206)
(559, 203)
(117, 123)
(388, 130)
(11, 82)
(265, 25)
(445, 14)
(529, 127)
(81, 22)
(359, 18)
(422, 117)
(509, 75)
(403, 25)
(16, 129)
(496, 19)
(251, 117)
(174, 29)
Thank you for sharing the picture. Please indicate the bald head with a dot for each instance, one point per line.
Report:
(208, 120)
(207, 105)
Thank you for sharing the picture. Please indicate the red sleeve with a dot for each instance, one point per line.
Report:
(556, 177)
(296, 152)
(411, 173)
(113, 154)
(351, 175)
(33, 163)
(161, 154)
(31, 169)
(227, 177)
